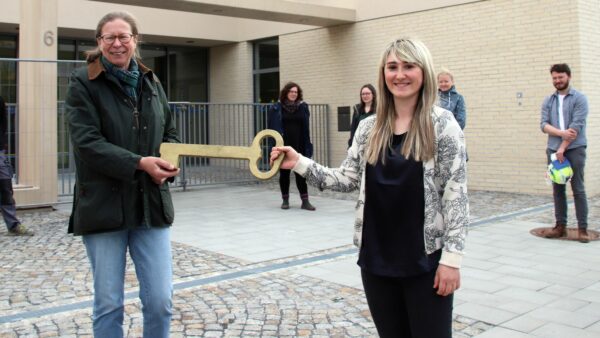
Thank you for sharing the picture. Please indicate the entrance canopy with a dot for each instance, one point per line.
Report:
(268, 10)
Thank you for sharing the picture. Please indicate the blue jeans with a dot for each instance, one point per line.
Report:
(577, 158)
(150, 250)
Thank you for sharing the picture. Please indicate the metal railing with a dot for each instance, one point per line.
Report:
(233, 125)
(11, 134)
(199, 123)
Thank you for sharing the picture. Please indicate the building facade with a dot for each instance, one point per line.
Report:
(500, 52)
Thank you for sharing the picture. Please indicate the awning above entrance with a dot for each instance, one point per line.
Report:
(268, 10)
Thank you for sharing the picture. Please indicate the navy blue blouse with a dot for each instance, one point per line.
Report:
(393, 244)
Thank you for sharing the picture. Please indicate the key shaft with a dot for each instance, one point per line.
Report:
(171, 152)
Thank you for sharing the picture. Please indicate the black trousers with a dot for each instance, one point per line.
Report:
(408, 307)
(284, 183)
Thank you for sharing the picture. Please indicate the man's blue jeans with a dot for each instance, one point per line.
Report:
(150, 250)
(577, 158)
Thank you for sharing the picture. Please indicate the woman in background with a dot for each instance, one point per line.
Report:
(450, 99)
(366, 108)
(290, 117)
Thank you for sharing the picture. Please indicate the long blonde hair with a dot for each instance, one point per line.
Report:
(419, 143)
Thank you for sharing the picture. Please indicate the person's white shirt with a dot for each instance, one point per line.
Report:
(561, 116)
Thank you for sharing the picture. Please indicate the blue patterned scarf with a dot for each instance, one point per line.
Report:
(128, 78)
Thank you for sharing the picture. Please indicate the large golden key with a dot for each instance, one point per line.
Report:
(170, 152)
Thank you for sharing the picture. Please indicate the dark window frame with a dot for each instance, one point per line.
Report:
(257, 71)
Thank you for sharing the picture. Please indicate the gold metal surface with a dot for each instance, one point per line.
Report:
(171, 152)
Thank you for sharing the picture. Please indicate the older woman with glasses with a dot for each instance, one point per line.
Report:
(118, 116)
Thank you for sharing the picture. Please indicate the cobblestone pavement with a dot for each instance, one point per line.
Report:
(54, 266)
(46, 286)
(483, 204)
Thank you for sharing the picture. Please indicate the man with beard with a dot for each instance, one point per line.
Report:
(564, 115)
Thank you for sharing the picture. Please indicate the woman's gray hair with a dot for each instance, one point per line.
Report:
(95, 53)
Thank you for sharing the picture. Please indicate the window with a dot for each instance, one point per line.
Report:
(8, 90)
(266, 71)
(155, 58)
(8, 69)
(70, 50)
(83, 46)
(188, 74)
(66, 50)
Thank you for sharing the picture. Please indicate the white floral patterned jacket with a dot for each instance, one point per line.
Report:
(444, 180)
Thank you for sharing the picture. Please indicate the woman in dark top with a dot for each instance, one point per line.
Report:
(290, 117)
(408, 163)
(366, 108)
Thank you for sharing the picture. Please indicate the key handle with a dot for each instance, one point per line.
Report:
(263, 134)
(171, 152)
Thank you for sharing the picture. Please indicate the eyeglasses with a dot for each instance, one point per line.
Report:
(110, 39)
(293, 91)
(366, 94)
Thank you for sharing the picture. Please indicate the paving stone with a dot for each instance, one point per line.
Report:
(51, 269)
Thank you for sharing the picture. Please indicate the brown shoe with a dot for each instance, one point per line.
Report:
(20, 230)
(583, 236)
(560, 230)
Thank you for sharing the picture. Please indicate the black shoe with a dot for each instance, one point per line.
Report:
(307, 206)
(285, 205)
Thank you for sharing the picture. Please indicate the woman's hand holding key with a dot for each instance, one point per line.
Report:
(290, 156)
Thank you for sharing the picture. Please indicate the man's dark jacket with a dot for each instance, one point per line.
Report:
(108, 142)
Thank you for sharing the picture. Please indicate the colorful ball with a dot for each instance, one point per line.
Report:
(560, 173)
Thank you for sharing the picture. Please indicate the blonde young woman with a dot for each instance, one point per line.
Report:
(412, 213)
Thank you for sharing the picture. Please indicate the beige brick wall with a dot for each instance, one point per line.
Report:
(231, 73)
(230, 82)
(589, 39)
(496, 49)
